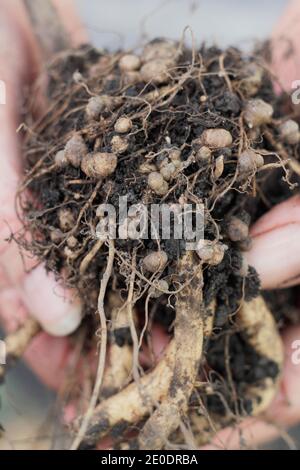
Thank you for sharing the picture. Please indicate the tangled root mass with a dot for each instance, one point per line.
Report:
(168, 125)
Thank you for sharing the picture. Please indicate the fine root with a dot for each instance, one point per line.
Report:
(102, 353)
(89, 257)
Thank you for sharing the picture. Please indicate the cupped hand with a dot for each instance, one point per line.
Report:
(276, 256)
(35, 292)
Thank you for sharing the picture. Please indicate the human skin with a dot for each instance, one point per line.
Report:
(275, 252)
(57, 310)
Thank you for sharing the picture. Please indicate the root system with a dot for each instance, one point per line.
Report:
(168, 125)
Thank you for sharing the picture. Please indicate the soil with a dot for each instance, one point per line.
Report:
(204, 89)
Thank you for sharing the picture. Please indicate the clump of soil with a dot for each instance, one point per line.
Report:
(176, 126)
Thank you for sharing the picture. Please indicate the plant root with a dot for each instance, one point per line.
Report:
(259, 327)
(188, 338)
(257, 324)
(89, 257)
(17, 342)
(118, 371)
(200, 132)
(128, 406)
(168, 377)
(102, 352)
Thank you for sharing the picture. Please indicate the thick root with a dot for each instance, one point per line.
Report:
(262, 334)
(17, 342)
(129, 406)
(173, 377)
(259, 325)
(119, 369)
(188, 341)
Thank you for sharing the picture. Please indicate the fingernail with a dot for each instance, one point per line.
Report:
(57, 309)
(66, 324)
(276, 255)
(285, 213)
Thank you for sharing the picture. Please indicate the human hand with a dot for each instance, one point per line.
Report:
(276, 256)
(34, 293)
(275, 251)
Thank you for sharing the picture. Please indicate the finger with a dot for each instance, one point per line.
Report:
(12, 310)
(288, 212)
(276, 256)
(50, 358)
(47, 356)
(286, 47)
(159, 341)
(11, 72)
(286, 408)
(16, 11)
(71, 21)
(276, 251)
(57, 309)
(248, 434)
(16, 29)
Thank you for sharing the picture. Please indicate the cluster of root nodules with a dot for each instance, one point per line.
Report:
(168, 125)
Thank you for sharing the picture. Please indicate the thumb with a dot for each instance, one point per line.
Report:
(276, 248)
(57, 309)
(286, 47)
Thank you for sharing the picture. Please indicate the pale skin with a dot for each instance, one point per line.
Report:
(275, 252)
